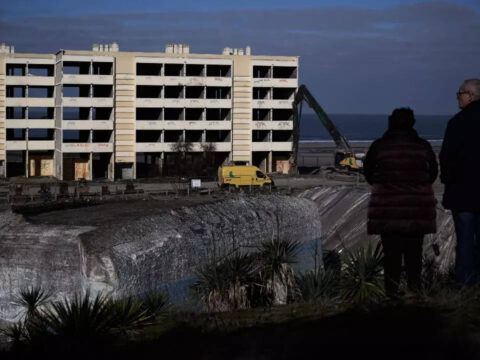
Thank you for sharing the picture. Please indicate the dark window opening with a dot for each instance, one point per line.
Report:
(261, 114)
(218, 114)
(102, 113)
(102, 68)
(102, 91)
(194, 92)
(173, 69)
(16, 91)
(16, 134)
(76, 136)
(149, 165)
(217, 136)
(260, 93)
(260, 135)
(149, 92)
(214, 92)
(16, 69)
(173, 114)
(219, 70)
(284, 72)
(195, 70)
(100, 165)
(16, 112)
(172, 136)
(261, 72)
(282, 135)
(76, 90)
(101, 136)
(76, 113)
(76, 67)
(41, 134)
(193, 136)
(40, 112)
(40, 70)
(149, 136)
(283, 93)
(282, 114)
(16, 161)
(149, 114)
(149, 69)
(193, 114)
(173, 92)
(40, 91)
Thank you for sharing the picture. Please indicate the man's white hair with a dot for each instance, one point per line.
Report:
(473, 85)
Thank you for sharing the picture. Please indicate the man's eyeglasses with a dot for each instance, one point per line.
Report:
(460, 93)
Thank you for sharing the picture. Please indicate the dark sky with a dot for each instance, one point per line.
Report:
(355, 56)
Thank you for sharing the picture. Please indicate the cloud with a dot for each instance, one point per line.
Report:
(354, 60)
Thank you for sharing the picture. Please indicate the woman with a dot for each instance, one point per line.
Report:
(401, 166)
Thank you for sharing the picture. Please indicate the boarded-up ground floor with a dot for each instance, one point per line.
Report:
(30, 163)
(88, 166)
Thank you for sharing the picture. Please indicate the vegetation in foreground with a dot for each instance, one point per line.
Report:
(257, 307)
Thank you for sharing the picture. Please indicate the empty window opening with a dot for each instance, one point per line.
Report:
(284, 72)
(40, 70)
(16, 134)
(76, 90)
(282, 114)
(219, 70)
(100, 165)
(260, 159)
(149, 165)
(193, 114)
(16, 112)
(102, 113)
(193, 136)
(149, 136)
(124, 171)
(260, 135)
(261, 114)
(101, 136)
(195, 70)
(194, 92)
(149, 114)
(75, 166)
(215, 92)
(76, 67)
(149, 92)
(260, 93)
(282, 135)
(102, 68)
(173, 69)
(173, 92)
(217, 136)
(149, 69)
(41, 134)
(40, 91)
(16, 163)
(76, 136)
(76, 113)
(16, 91)
(218, 114)
(173, 114)
(40, 112)
(102, 91)
(16, 69)
(260, 72)
(283, 93)
(172, 136)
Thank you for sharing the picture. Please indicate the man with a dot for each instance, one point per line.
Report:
(460, 172)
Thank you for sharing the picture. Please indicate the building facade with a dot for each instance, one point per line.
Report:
(107, 114)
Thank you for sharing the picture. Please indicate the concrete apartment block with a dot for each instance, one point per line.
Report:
(120, 115)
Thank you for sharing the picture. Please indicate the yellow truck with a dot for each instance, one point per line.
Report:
(242, 175)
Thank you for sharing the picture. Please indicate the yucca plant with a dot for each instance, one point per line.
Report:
(156, 303)
(318, 286)
(362, 274)
(31, 299)
(127, 313)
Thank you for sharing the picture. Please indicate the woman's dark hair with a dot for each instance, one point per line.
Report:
(401, 119)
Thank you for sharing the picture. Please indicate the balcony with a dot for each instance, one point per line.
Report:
(31, 80)
(32, 124)
(87, 147)
(16, 145)
(268, 104)
(87, 79)
(87, 102)
(87, 124)
(272, 146)
(32, 102)
(269, 82)
(152, 103)
(152, 147)
(41, 145)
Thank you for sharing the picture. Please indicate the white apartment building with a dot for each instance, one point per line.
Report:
(107, 114)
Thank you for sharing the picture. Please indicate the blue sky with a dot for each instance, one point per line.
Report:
(355, 56)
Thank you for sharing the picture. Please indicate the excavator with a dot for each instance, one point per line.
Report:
(345, 156)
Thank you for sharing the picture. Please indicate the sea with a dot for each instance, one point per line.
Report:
(362, 127)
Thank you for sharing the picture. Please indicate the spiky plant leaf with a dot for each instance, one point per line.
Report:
(315, 286)
(128, 313)
(31, 299)
(156, 303)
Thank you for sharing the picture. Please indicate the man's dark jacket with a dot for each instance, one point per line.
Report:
(459, 160)
(401, 166)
